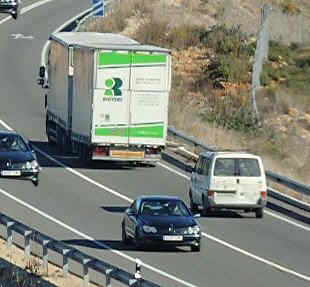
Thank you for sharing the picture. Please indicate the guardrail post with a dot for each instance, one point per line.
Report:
(65, 262)
(85, 273)
(138, 274)
(108, 277)
(9, 234)
(45, 255)
(27, 245)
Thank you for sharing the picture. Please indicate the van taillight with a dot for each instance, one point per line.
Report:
(210, 193)
(263, 195)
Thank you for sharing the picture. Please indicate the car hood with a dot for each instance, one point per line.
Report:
(177, 221)
(16, 156)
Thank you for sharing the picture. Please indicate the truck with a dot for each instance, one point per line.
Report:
(107, 96)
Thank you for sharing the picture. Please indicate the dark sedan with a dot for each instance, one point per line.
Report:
(160, 220)
(17, 159)
(10, 7)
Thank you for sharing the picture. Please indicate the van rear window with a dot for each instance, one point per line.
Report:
(249, 167)
(224, 167)
(237, 167)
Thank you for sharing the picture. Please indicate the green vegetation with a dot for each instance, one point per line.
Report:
(288, 67)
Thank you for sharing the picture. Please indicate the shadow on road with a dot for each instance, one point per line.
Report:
(119, 245)
(114, 209)
(72, 160)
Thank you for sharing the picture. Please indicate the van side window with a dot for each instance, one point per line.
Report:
(206, 166)
(224, 167)
(248, 167)
(198, 167)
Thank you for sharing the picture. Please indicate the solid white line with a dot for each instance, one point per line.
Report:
(287, 220)
(251, 255)
(86, 178)
(85, 236)
(266, 211)
(34, 5)
(235, 248)
(26, 9)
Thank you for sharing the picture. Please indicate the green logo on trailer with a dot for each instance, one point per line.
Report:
(113, 87)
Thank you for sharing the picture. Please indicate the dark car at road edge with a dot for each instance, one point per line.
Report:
(17, 158)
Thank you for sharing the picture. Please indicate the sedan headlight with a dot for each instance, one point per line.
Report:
(193, 229)
(32, 164)
(149, 229)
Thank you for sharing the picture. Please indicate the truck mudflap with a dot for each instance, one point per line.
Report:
(125, 154)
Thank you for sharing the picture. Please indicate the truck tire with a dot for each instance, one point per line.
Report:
(63, 142)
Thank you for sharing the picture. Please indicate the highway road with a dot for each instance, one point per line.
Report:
(83, 206)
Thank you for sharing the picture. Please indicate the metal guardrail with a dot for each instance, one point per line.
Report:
(67, 252)
(299, 187)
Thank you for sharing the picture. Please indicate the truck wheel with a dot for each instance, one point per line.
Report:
(63, 142)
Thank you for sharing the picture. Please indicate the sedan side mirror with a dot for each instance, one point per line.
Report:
(130, 212)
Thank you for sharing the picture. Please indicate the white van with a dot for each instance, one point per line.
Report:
(228, 180)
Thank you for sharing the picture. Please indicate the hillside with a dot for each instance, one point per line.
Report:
(213, 44)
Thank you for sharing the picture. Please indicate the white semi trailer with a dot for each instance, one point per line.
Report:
(107, 96)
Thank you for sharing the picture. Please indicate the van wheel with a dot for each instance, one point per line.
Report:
(205, 208)
(193, 206)
(259, 213)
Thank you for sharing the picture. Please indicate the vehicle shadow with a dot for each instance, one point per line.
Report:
(119, 245)
(47, 152)
(225, 214)
(114, 209)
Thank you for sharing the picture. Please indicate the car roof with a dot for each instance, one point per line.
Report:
(157, 197)
(230, 154)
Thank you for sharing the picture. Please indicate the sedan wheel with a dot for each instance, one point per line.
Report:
(195, 248)
(125, 239)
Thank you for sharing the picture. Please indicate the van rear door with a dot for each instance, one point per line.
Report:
(251, 180)
(224, 183)
(237, 181)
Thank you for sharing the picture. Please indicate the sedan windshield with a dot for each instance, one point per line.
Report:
(12, 143)
(163, 208)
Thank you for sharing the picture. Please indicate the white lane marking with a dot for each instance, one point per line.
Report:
(26, 9)
(287, 220)
(34, 5)
(21, 36)
(220, 241)
(266, 211)
(86, 178)
(85, 236)
(251, 255)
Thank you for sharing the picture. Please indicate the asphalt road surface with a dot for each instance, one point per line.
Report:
(83, 206)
